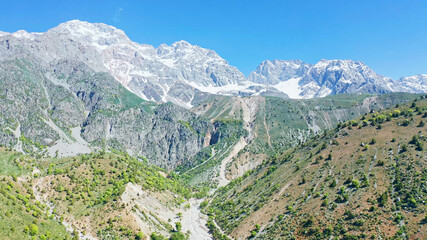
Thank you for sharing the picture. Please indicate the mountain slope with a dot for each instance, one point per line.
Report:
(66, 108)
(268, 127)
(366, 178)
(93, 196)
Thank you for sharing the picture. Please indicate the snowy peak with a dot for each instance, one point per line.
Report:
(416, 78)
(344, 66)
(167, 73)
(91, 32)
(344, 71)
(276, 71)
(301, 80)
(413, 84)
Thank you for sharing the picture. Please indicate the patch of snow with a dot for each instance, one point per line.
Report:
(229, 88)
(290, 87)
(168, 62)
(25, 34)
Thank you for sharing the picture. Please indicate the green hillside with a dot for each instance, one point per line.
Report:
(270, 126)
(365, 179)
(38, 198)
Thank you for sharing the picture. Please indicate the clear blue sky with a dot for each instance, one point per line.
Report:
(388, 35)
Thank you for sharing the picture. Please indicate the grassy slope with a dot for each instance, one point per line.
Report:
(18, 207)
(303, 194)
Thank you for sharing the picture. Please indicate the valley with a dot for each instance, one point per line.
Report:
(102, 137)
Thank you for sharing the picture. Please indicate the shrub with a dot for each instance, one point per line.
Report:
(139, 236)
(380, 163)
(178, 226)
(204, 204)
(405, 123)
(156, 236)
(404, 148)
(355, 183)
(177, 236)
(382, 200)
(414, 139)
(419, 146)
(333, 183)
(33, 229)
(359, 222)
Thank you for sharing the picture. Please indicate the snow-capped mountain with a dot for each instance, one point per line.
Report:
(414, 84)
(343, 76)
(330, 77)
(173, 73)
(183, 73)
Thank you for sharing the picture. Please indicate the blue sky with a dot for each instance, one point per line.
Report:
(390, 36)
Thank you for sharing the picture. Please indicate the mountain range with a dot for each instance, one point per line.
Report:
(183, 73)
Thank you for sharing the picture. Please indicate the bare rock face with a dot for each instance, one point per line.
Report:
(43, 102)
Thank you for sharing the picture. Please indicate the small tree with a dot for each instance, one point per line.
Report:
(406, 123)
(355, 183)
